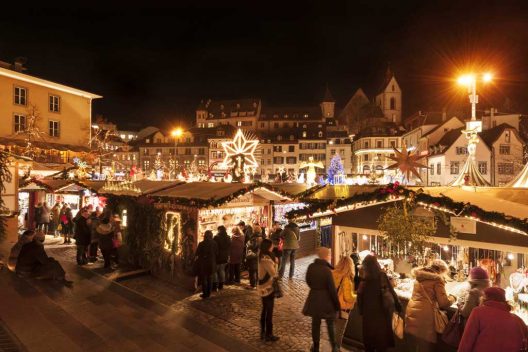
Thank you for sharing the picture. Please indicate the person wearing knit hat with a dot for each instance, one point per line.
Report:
(478, 281)
(492, 327)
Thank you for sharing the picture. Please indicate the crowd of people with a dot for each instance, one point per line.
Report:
(93, 231)
(483, 315)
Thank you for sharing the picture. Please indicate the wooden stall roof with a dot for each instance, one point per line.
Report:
(202, 190)
(50, 185)
(366, 218)
(149, 187)
(93, 186)
(341, 191)
(507, 200)
(293, 189)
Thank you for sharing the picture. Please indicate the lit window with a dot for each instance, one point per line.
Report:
(210, 124)
(20, 96)
(504, 149)
(304, 134)
(54, 128)
(20, 123)
(123, 136)
(483, 167)
(54, 103)
(505, 168)
(455, 165)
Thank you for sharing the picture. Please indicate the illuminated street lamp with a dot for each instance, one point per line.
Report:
(470, 175)
(470, 81)
(176, 133)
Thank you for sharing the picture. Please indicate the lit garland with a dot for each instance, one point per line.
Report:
(395, 192)
(218, 202)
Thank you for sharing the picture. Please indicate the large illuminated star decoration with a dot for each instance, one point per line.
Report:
(406, 162)
(240, 154)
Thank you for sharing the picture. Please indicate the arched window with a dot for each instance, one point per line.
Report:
(292, 137)
(320, 134)
(279, 138)
(366, 169)
(393, 87)
(392, 103)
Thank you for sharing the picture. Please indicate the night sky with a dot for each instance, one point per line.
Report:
(155, 63)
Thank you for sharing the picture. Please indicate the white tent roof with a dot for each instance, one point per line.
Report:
(510, 201)
(521, 181)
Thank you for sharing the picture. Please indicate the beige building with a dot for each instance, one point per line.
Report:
(373, 146)
(57, 116)
(498, 157)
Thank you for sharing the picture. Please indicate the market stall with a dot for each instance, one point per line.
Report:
(465, 236)
(163, 227)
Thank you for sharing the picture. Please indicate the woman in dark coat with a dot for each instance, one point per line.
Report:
(252, 249)
(374, 288)
(236, 251)
(206, 254)
(322, 301)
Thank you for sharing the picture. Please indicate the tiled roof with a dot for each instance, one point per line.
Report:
(218, 109)
(446, 141)
(290, 113)
(491, 135)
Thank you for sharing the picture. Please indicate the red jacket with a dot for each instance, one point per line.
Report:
(492, 328)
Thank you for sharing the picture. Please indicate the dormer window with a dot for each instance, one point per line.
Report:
(238, 105)
(304, 126)
(279, 138)
(304, 134)
(221, 106)
(147, 140)
(305, 115)
(292, 137)
(320, 134)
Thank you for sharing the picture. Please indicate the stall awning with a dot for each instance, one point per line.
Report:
(510, 201)
(341, 191)
(47, 184)
(486, 237)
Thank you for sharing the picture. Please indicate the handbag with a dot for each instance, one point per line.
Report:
(454, 330)
(397, 325)
(277, 290)
(440, 317)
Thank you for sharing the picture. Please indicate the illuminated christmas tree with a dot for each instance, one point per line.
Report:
(335, 170)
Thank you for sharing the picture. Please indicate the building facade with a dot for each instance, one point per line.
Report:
(57, 117)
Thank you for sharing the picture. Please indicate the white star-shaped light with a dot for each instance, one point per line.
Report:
(243, 147)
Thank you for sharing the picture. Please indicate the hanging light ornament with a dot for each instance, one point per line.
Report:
(406, 162)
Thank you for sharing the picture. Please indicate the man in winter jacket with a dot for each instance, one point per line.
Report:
(223, 242)
(206, 254)
(290, 234)
(82, 236)
(322, 301)
(492, 328)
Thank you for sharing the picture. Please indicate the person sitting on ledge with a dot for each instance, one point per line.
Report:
(34, 262)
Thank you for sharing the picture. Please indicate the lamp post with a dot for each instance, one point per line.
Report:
(176, 133)
(470, 175)
(470, 80)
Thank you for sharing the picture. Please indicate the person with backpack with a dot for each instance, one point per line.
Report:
(344, 281)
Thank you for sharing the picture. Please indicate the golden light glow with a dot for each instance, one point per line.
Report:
(466, 80)
(177, 132)
(487, 77)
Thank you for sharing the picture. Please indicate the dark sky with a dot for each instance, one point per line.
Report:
(154, 63)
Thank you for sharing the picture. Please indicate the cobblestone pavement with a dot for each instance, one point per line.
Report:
(234, 310)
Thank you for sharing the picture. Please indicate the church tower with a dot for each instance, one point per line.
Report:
(390, 98)
(328, 105)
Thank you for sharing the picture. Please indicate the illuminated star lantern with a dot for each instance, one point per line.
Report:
(406, 162)
(240, 152)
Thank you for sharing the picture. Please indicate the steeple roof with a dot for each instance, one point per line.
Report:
(328, 96)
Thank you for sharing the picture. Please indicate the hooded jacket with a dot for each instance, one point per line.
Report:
(492, 328)
(419, 316)
(291, 236)
(236, 250)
